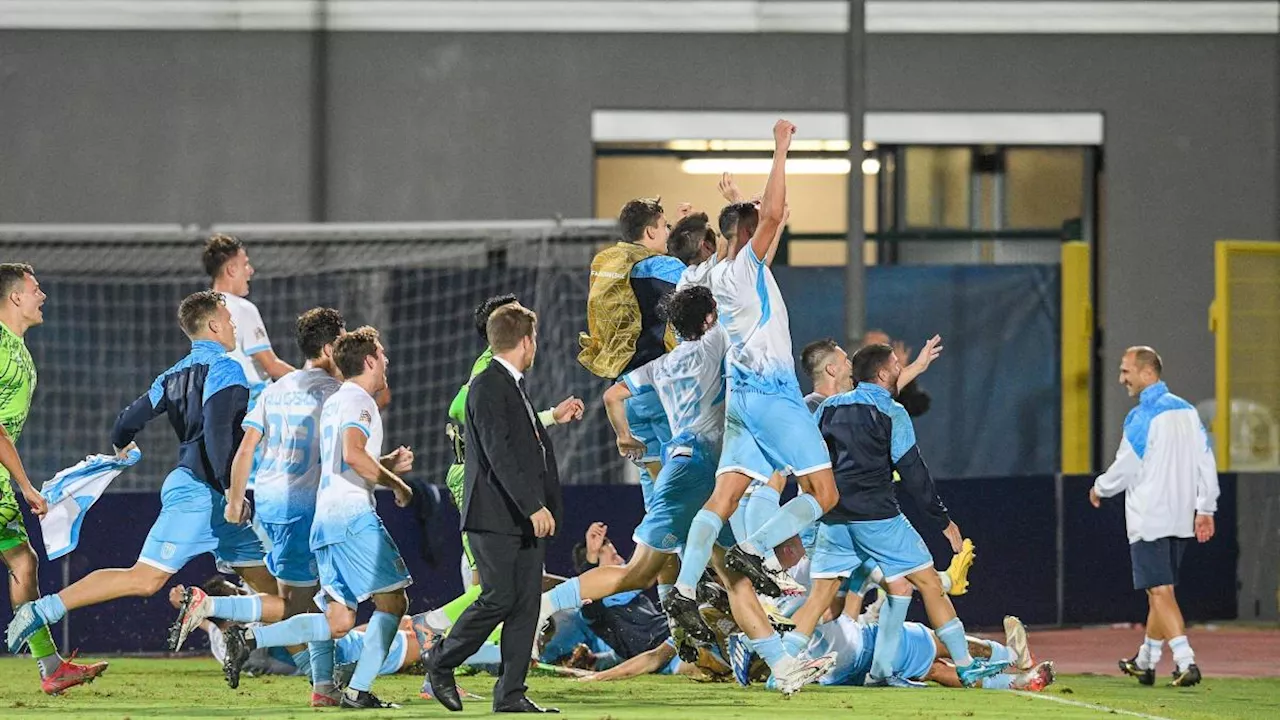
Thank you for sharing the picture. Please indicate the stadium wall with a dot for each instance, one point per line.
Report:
(1014, 522)
(187, 126)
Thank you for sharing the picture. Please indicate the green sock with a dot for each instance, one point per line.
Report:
(495, 637)
(44, 651)
(453, 609)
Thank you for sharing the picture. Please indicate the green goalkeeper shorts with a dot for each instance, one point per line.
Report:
(456, 481)
(13, 532)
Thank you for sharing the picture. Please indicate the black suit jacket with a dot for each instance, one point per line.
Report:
(507, 476)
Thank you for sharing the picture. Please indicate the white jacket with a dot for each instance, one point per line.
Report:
(1164, 466)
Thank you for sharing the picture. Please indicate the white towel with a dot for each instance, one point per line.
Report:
(71, 493)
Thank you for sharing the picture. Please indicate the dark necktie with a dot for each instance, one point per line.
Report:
(533, 417)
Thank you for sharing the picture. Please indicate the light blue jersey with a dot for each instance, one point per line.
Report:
(689, 381)
(752, 310)
(343, 495)
(288, 416)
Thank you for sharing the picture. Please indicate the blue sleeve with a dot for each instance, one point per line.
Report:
(659, 267)
(223, 414)
(132, 419)
(223, 374)
(916, 480)
(904, 433)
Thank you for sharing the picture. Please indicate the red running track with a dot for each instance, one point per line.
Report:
(1220, 651)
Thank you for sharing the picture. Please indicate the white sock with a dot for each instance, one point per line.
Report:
(1183, 656)
(1149, 654)
(946, 581)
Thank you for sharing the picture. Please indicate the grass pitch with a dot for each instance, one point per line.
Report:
(193, 687)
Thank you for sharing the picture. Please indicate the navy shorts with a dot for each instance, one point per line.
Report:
(1156, 562)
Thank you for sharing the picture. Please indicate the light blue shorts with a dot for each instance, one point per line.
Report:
(914, 658)
(347, 649)
(685, 484)
(893, 544)
(364, 563)
(765, 431)
(290, 558)
(648, 423)
(191, 523)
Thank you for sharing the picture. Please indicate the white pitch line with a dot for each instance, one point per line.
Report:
(1091, 706)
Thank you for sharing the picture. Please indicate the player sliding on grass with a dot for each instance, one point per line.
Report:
(204, 396)
(21, 300)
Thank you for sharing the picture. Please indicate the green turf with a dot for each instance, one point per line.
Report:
(147, 688)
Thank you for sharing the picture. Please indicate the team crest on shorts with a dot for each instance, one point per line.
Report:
(167, 550)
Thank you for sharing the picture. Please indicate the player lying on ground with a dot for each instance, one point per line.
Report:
(204, 396)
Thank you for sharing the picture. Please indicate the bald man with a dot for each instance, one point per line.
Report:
(1166, 470)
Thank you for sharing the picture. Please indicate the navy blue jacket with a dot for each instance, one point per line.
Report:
(205, 396)
(870, 436)
(651, 279)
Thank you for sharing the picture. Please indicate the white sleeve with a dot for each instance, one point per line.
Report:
(640, 380)
(256, 418)
(745, 269)
(358, 414)
(252, 331)
(1123, 470)
(1206, 477)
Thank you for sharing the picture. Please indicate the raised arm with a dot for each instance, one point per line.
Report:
(774, 203)
(932, 349)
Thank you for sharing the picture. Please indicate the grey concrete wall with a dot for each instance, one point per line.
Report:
(108, 127)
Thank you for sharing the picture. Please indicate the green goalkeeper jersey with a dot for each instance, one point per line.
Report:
(17, 385)
(458, 408)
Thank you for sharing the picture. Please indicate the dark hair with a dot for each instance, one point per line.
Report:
(12, 274)
(508, 325)
(316, 328)
(813, 358)
(580, 563)
(746, 217)
(728, 221)
(486, 308)
(1146, 356)
(688, 236)
(687, 310)
(218, 250)
(197, 308)
(350, 351)
(868, 361)
(637, 215)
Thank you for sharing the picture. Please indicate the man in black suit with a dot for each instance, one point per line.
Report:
(510, 513)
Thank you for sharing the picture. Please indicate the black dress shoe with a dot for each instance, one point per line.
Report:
(444, 689)
(524, 705)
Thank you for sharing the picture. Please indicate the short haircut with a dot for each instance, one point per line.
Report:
(814, 356)
(508, 325)
(12, 275)
(486, 308)
(728, 221)
(637, 215)
(687, 310)
(218, 250)
(746, 218)
(197, 309)
(868, 361)
(350, 351)
(318, 327)
(1146, 356)
(688, 236)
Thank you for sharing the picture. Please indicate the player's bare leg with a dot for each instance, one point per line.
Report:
(749, 557)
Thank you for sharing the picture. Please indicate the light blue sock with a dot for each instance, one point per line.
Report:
(738, 520)
(762, 506)
(377, 642)
(1000, 653)
(697, 551)
(302, 661)
(801, 512)
(240, 608)
(1002, 681)
(297, 630)
(889, 636)
(795, 643)
(565, 596)
(663, 591)
(488, 654)
(321, 653)
(51, 608)
(771, 649)
(952, 635)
